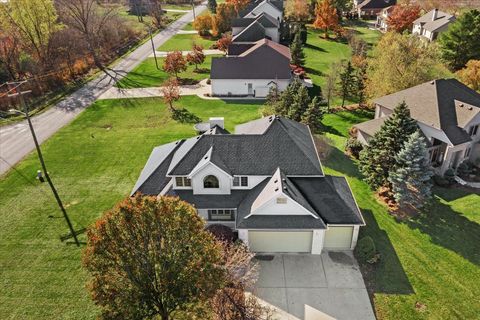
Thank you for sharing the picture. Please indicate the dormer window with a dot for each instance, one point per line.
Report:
(210, 182)
(183, 182)
(240, 181)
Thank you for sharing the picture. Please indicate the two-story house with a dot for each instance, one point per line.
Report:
(254, 29)
(431, 24)
(448, 114)
(371, 8)
(265, 181)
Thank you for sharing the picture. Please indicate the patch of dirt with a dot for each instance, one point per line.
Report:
(264, 257)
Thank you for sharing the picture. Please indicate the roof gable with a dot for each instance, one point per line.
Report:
(376, 4)
(253, 32)
(431, 24)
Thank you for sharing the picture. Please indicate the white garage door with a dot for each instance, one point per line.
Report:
(271, 241)
(339, 238)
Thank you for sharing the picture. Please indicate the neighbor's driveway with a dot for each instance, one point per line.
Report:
(312, 287)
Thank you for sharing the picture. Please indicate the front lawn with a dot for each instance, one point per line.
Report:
(184, 42)
(430, 265)
(94, 162)
(146, 74)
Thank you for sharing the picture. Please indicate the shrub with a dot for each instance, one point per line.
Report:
(464, 168)
(221, 232)
(441, 181)
(365, 250)
(449, 175)
(353, 147)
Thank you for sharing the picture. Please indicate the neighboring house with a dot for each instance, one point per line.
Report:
(382, 19)
(430, 25)
(251, 72)
(265, 182)
(447, 112)
(254, 29)
(274, 8)
(371, 8)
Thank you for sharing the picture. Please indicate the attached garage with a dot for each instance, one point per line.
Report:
(338, 238)
(280, 241)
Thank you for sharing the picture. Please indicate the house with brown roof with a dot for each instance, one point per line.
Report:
(371, 8)
(251, 69)
(448, 114)
(431, 24)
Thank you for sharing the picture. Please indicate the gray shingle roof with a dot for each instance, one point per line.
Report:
(236, 49)
(437, 104)
(371, 126)
(265, 60)
(252, 33)
(278, 4)
(440, 21)
(266, 20)
(285, 144)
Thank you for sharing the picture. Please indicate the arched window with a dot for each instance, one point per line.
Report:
(210, 182)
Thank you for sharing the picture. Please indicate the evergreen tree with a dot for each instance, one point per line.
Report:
(296, 50)
(212, 6)
(313, 116)
(461, 42)
(411, 177)
(378, 158)
(347, 82)
(361, 79)
(301, 100)
(286, 99)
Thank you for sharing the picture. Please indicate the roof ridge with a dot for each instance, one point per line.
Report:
(188, 152)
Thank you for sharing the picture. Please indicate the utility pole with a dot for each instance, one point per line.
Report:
(193, 9)
(40, 156)
(153, 46)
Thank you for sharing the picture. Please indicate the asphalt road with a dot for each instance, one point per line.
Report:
(16, 141)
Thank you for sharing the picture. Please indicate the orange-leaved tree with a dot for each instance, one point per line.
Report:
(151, 257)
(174, 63)
(196, 56)
(222, 21)
(297, 10)
(238, 5)
(203, 24)
(224, 42)
(171, 92)
(326, 17)
(470, 75)
(402, 17)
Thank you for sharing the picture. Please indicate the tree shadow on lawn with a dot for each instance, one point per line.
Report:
(313, 47)
(313, 71)
(128, 83)
(455, 192)
(449, 229)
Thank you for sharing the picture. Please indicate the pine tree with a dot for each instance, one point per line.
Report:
(296, 50)
(347, 82)
(301, 100)
(286, 98)
(313, 116)
(212, 6)
(410, 179)
(378, 158)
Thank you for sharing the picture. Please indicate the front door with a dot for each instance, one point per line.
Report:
(250, 89)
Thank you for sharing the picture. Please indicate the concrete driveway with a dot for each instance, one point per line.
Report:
(312, 287)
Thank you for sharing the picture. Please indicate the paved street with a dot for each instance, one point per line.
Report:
(16, 141)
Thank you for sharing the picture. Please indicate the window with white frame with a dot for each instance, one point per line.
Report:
(240, 181)
(183, 182)
(473, 130)
(221, 214)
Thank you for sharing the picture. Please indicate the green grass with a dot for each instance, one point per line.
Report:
(147, 75)
(184, 42)
(94, 163)
(432, 259)
(176, 6)
(322, 53)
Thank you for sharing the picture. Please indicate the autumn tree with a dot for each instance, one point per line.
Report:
(151, 257)
(35, 22)
(402, 16)
(90, 19)
(171, 93)
(224, 42)
(203, 24)
(10, 52)
(297, 11)
(399, 62)
(461, 42)
(238, 5)
(222, 21)
(470, 75)
(174, 63)
(196, 56)
(326, 17)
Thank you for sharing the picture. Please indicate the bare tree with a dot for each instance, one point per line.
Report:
(90, 19)
(331, 83)
(171, 92)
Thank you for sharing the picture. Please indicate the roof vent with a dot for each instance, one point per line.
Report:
(198, 137)
(432, 82)
(276, 189)
(284, 188)
(284, 179)
(206, 158)
(461, 105)
(276, 180)
(470, 108)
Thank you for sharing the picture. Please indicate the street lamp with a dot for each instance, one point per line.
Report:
(193, 9)
(40, 157)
